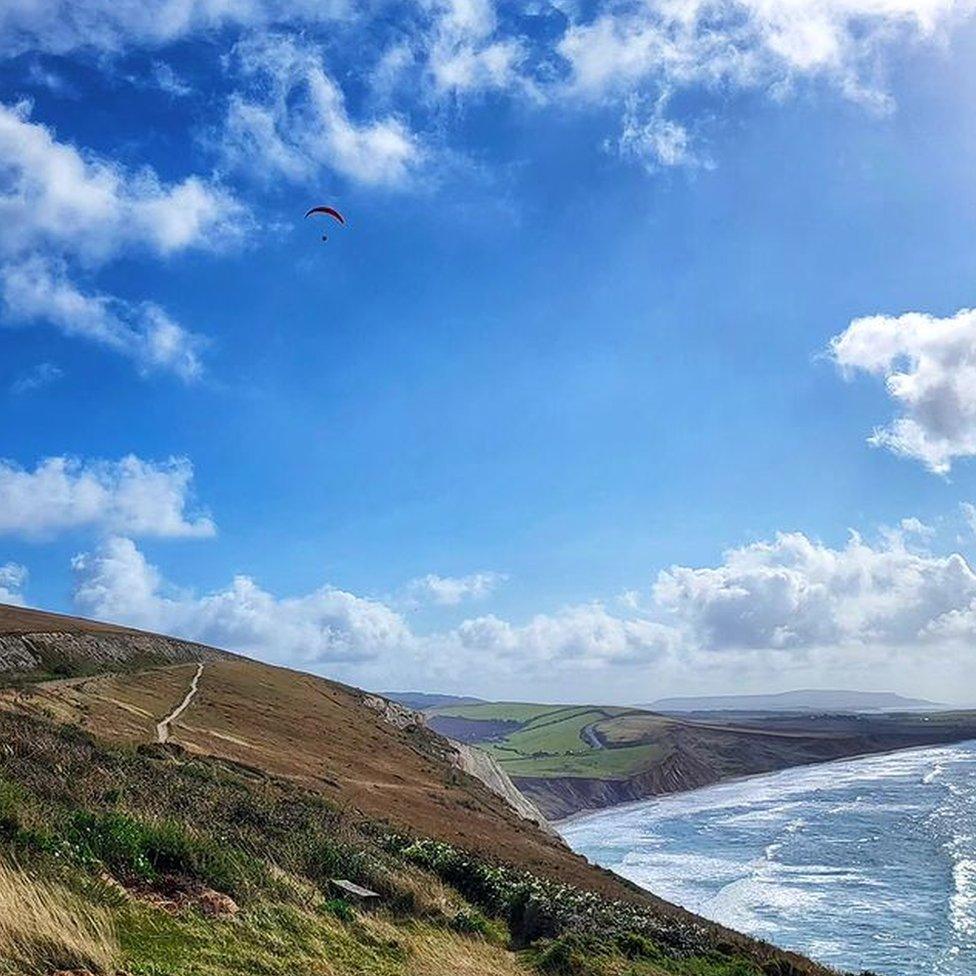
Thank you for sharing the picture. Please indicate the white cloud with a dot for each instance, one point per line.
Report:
(464, 52)
(929, 368)
(328, 625)
(115, 25)
(169, 81)
(452, 590)
(57, 197)
(748, 43)
(294, 118)
(751, 45)
(293, 121)
(13, 576)
(792, 606)
(796, 593)
(35, 290)
(586, 636)
(652, 139)
(968, 510)
(36, 378)
(137, 497)
(60, 204)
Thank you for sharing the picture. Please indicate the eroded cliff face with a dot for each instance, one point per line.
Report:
(69, 653)
(479, 764)
(560, 797)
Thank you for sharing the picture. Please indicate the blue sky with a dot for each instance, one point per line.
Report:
(579, 402)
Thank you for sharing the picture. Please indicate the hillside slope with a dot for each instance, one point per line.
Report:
(272, 783)
(569, 758)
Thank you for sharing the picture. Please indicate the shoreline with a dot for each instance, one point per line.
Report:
(557, 824)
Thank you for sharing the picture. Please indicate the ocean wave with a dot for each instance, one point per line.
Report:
(867, 863)
(962, 904)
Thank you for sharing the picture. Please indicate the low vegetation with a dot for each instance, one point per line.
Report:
(157, 863)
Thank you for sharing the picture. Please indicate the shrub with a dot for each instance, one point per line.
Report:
(340, 908)
(557, 958)
(471, 921)
(11, 798)
(143, 851)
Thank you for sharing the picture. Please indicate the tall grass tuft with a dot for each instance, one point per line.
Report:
(44, 927)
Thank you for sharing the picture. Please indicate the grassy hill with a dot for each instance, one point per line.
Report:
(568, 758)
(216, 852)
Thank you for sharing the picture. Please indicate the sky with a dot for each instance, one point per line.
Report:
(644, 365)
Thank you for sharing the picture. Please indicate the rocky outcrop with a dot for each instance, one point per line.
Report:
(69, 653)
(393, 713)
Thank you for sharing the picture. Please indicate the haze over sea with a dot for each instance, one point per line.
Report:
(862, 864)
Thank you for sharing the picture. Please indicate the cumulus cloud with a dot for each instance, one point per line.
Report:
(13, 576)
(293, 121)
(330, 625)
(134, 496)
(37, 290)
(796, 593)
(789, 603)
(55, 196)
(928, 366)
(116, 582)
(587, 636)
(60, 204)
(452, 590)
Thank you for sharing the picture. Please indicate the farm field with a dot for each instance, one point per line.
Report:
(549, 741)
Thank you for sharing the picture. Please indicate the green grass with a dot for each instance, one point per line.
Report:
(549, 745)
(558, 733)
(591, 764)
(267, 940)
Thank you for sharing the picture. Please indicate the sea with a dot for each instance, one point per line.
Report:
(862, 864)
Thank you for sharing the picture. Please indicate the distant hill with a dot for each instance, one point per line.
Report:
(806, 700)
(420, 701)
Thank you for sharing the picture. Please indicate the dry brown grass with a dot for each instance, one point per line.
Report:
(319, 734)
(437, 952)
(44, 927)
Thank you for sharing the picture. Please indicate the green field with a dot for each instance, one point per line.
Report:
(549, 741)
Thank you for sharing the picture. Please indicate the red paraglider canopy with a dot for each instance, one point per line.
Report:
(331, 211)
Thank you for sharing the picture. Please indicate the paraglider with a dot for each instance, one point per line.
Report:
(328, 212)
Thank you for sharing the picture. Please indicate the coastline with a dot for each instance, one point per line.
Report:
(629, 804)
